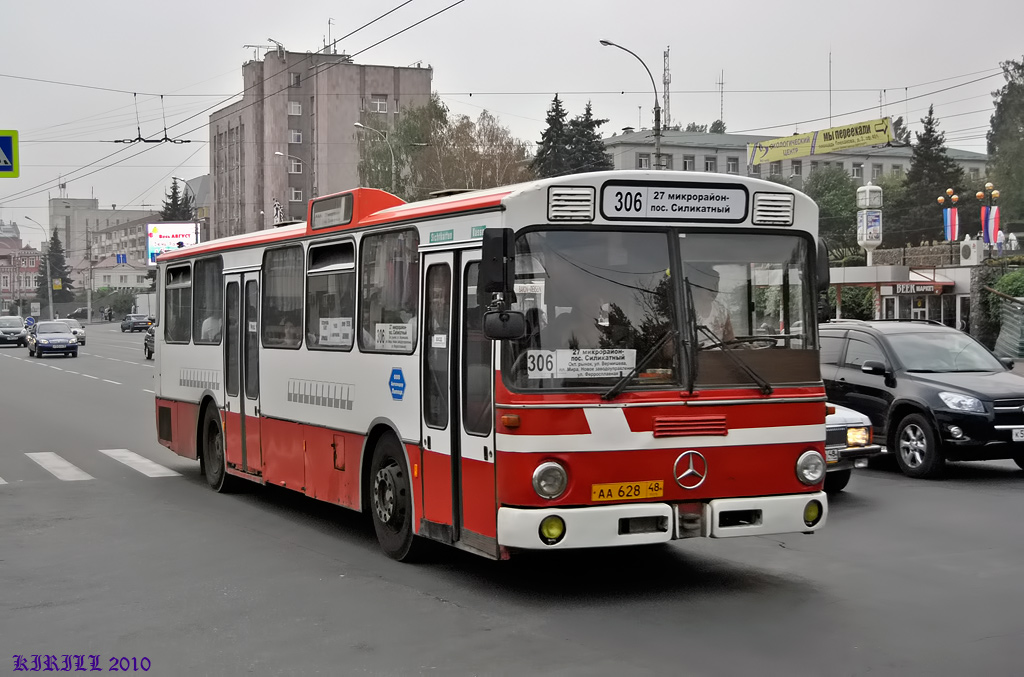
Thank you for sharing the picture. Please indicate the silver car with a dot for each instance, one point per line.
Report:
(849, 443)
(77, 329)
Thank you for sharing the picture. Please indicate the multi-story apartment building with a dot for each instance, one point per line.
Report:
(19, 270)
(76, 219)
(128, 238)
(291, 137)
(727, 153)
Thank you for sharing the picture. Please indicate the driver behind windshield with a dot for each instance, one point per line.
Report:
(710, 312)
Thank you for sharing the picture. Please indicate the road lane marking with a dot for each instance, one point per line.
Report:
(58, 467)
(92, 377)
(107, 380)
(53, 367)
(73, 372)
(2, 481)
(148, 391)
(140, 463)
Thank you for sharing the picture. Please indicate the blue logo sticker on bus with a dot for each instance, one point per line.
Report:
(397, 384)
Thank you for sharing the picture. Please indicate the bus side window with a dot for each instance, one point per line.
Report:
(208, 301)
(179, 305)
(283, 279)
(389, 272)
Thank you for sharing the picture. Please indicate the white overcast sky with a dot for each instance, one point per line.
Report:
(512, 57)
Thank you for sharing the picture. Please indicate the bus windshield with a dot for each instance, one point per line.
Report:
(597, 303)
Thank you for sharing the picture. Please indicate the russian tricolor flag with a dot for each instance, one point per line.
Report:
(990, 224)
(952, 222)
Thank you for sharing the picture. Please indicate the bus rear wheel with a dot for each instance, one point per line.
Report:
(390, 494)
(213, 462)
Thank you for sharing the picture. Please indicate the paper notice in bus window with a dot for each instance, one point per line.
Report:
(583, 363)
(439, 341)
(336, 331)
(393, 337)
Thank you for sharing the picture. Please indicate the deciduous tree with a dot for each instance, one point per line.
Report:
(1006, 141)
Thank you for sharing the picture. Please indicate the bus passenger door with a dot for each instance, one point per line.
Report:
(233, 413)
(475, 417)
(436, 351)
(253, 457)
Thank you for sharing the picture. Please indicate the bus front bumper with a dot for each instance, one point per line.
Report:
(642, 523)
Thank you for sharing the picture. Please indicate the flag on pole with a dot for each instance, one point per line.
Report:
(951, 221)
(990, 224)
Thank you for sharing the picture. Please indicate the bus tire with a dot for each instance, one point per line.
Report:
(213, 461)
(391, 500)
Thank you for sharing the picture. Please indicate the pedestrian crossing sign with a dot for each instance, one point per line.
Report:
(9, 167)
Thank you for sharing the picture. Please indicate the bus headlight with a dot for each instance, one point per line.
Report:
(857, 437)
(810, 467)
(550, 480)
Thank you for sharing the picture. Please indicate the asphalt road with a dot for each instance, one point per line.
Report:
(908, 577)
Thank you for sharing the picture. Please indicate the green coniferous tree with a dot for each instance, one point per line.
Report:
(916, 215)
(717, 127)
(177, 205)
(58, 270)
(586, 148)
(552, 157)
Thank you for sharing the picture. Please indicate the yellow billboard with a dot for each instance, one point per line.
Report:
(871, 133)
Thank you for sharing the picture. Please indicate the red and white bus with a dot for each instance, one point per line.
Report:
(604, 359)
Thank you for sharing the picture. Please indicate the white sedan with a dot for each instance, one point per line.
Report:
(849, 443)
(77, 329)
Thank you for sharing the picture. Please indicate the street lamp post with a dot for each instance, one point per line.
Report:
(384, 136)
(657, 106)
(989, 215)
(49, 280)
(950, 216)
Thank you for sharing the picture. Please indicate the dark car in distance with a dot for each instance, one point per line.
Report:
(135, 322)
(147, 343)
(12, 330)
(52, 337)
(932, 393)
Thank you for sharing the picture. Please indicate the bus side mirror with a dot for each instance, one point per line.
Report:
(504, 324)
(497, 266)
(822, 267)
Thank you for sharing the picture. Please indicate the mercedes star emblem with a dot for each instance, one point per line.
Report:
(690, 469)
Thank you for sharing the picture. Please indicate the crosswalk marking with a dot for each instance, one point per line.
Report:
(140, 463)
(58, 467)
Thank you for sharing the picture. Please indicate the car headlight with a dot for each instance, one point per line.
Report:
(44, 342)
(72, 340)
(550, 480)
(810, 467)
(962, 402)
(858, 437)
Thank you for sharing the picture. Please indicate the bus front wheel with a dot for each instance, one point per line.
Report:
(391, 500)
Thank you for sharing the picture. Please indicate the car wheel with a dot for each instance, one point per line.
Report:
(214, 465)
(122, 330)
(39, 353)
(74, 354)
(837, 480)
(917, 451)
(391, 500)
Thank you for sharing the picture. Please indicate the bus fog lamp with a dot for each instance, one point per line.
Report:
(552, 529)
(810, 467)
(550, 480)
(812, 513)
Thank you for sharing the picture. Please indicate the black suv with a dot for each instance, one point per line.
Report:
(932, 393)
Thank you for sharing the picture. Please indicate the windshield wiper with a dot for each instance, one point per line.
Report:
(765, 386)
(640, 364)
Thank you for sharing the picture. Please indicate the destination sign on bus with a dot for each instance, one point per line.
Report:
(666, 201)
(332, 211)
